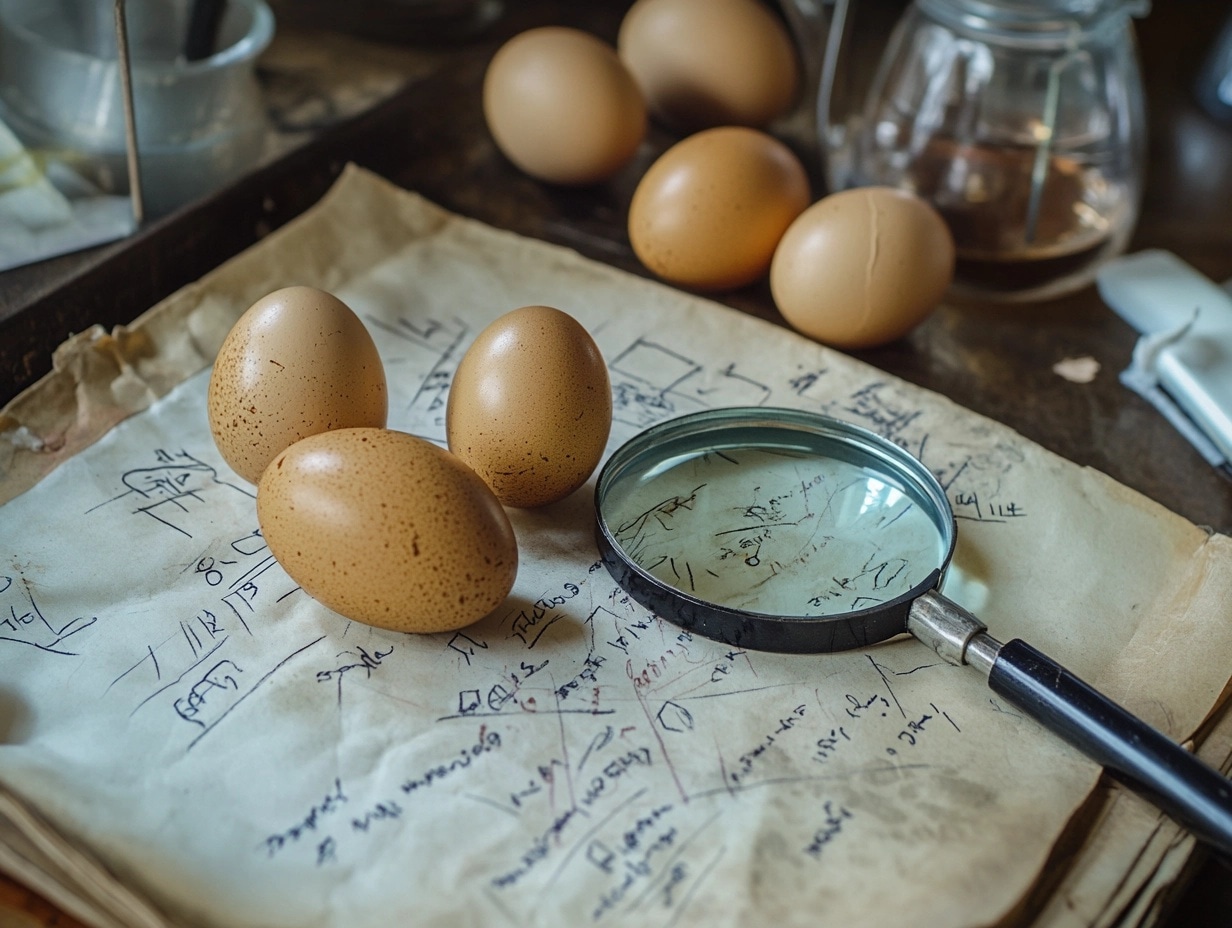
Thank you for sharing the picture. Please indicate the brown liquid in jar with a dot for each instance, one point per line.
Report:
(1003, 250)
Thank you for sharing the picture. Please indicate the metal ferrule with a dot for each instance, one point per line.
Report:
(955, 634)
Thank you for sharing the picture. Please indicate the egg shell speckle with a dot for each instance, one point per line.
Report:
(387, 529)
(297, 362)
(530, 407)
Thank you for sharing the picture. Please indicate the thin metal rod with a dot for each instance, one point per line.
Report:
(1043, 153)
(130, 116)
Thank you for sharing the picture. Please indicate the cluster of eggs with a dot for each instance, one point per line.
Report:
(384, 527)
(728, 203)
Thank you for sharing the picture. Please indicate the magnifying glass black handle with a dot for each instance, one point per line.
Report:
(1132, 752)
(1144, 759)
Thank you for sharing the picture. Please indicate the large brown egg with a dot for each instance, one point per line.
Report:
(387, 529)
(562, 107)
(710, 211)
(862, 267)
(298, 362)
(705, 63)
(530, 407)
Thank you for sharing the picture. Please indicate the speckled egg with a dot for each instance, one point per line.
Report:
(530, 407)
(710, 211)
(387, 529)
(298, 362)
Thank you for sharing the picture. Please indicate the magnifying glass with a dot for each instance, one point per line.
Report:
(785, 530)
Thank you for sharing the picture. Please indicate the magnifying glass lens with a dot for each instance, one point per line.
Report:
(774, 530)
(774, 513)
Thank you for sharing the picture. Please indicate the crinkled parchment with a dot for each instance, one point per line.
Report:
(242, 756)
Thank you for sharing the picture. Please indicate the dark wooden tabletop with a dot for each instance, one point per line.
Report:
(996, 360)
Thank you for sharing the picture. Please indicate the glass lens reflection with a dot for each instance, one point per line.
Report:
(775, 531)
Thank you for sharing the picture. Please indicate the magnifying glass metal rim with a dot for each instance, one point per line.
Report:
(1141, 757)
(716, 429)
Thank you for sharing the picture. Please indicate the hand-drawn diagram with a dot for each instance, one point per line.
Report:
(603, 764)
(172, 489)
(775, 533)
(22, 622)
(652, 383)
(420, 356)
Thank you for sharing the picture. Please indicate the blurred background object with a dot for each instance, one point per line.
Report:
(1214, 87)
(1022, 123)
(414, 22)
(200, 117)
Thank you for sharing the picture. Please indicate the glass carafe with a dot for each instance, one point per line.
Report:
(1021, 122)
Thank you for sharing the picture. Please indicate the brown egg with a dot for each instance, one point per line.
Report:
(298, 362)
(862, 267)
(387, 529)
(710, 211)
(561, 106)
(530, 407)
(704, 63)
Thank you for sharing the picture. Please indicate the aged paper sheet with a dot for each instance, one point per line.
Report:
(243, 756)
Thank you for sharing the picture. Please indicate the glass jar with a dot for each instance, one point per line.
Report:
(1022, 122)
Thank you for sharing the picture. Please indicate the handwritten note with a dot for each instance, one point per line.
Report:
(245, 757)
(772, 532)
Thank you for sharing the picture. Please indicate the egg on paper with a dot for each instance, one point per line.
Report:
(710, 211)
(530, 407)
(862, 267)
(387, 529)
(298, 362)
(562, 107)
(706, 63)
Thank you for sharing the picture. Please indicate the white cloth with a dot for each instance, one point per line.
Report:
(47, 209)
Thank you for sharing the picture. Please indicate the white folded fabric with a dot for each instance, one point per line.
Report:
(1182, 364)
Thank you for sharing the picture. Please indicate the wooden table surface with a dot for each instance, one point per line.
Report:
(996, 360)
